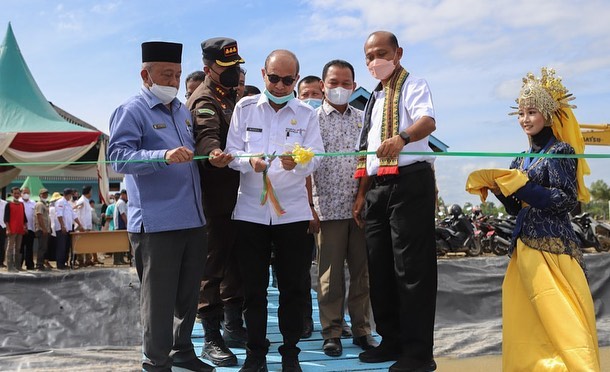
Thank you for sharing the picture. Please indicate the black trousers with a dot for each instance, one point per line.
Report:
(222, 285)
(400, 241)
(170, 267)
(292, 260)
(2, 244)
(27, 250)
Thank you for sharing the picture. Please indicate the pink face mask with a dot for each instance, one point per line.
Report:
(381, 68)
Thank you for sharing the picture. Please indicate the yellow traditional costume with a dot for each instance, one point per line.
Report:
(547, 309)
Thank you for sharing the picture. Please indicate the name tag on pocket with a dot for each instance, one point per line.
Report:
(257, 130)
(159, 126)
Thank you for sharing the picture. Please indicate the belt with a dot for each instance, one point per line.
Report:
(406, 169)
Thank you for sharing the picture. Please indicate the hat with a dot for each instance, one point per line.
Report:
(160, 51)
(123, 191)
(43, 191)
(55, 196)
(221, 50)
(68, 191)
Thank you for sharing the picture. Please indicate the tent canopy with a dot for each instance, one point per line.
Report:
(31, 131)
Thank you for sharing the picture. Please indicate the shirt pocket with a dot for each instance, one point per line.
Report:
(295, 136)
(253, 138)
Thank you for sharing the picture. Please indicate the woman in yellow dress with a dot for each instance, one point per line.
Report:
(547, 310)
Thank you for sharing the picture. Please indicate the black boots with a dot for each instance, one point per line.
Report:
(214, 348)
(234, 335)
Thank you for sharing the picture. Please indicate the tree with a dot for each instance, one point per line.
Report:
(599, 191)
(600, 194)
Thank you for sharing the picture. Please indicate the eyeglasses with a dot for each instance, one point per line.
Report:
(274, 79)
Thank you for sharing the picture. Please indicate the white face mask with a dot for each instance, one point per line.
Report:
(111, 201)
(44, 200)
(338, 95)
(166, 94)
(25, 196)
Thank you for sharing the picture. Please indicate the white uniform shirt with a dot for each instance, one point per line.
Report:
(29, 212)
(83, 211)
(416, 102)
(63, 208)
(54, 221)
(257, 128)
(3, 204)
(120, 207)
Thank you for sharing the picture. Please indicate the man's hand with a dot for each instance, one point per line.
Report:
(357, 210)
(220, 159)
(390, 147)
(258, 163)
(287, 160)
(178, 155)
(314, 225)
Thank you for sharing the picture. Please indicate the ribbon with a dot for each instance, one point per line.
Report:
(269, 194)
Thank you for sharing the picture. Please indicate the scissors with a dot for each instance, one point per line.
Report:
(270, 158)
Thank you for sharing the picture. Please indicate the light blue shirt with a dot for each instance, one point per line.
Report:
(162, 197)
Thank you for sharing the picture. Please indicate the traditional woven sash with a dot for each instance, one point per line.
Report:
(389, 123)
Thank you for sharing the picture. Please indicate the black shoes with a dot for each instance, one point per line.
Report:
(194, 365)
(291, 364)
(332, 347)
(218, 353)
(254, 364)
(411, 365)
(307, 328)
(366, 342)
(385, 352)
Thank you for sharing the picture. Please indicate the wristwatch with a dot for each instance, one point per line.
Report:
(405, 137)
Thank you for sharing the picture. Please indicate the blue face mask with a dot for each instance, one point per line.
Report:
(278, 100)
(313, 102)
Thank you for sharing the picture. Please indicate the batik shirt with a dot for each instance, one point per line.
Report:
(334, 187)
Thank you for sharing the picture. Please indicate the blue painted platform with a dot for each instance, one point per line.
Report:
(312, 357)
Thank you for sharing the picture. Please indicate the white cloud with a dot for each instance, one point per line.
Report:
(105, 8)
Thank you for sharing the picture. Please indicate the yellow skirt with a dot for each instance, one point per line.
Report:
(548, 318)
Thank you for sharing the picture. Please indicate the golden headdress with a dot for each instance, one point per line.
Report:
(546, 93)
(551, 98)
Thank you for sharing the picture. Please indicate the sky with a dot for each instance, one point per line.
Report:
(86, 56)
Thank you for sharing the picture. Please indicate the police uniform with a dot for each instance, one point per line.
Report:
(211, 106)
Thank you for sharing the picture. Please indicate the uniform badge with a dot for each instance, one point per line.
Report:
(293, 121)
(205, 111)
(360, 124)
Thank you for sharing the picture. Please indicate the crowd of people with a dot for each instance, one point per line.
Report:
(205, 250)
(35, 233)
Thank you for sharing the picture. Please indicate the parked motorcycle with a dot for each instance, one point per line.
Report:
(591, 233)
(602, 231)
(503, 233)
(456, 234)
(486, 233)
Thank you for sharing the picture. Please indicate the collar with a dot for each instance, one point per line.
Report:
(328, 109)
(219, 91)
(153, 101)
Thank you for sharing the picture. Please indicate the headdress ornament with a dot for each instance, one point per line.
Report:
(547, 94)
